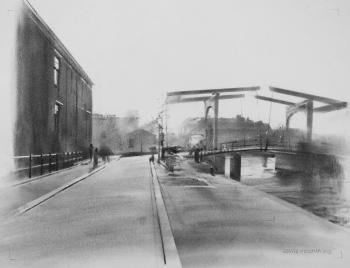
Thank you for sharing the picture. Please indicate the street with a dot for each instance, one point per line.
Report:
(104, 221)
(114, 218)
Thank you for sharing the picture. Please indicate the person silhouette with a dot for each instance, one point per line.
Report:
(95, 158)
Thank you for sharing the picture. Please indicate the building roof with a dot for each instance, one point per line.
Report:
(33, 14)
(141, 131)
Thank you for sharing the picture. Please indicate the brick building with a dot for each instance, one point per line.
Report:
(54, 94)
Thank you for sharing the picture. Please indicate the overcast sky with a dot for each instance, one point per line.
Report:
(136, 50)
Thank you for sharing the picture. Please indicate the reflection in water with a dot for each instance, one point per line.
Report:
(325, 195)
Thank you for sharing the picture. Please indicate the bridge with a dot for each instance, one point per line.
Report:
(211, 103)
(300, 156)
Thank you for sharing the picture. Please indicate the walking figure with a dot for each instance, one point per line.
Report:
(95, 158)
(91, 151)
(151, 159)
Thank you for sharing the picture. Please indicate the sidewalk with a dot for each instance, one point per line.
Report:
(218, 222)
(16, 195)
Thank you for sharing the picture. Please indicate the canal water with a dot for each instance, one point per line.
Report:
(325, 195)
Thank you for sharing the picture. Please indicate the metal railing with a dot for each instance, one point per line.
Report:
(39, 164)
(257, 142)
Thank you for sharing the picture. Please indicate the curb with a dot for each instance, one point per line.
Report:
(170, 250)
(21, 210)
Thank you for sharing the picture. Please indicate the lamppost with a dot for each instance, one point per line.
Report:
(160, 141)
(160, 135)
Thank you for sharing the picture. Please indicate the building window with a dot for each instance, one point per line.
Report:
(57, 117)
(87, 117)
(56, 71)
(131, 143)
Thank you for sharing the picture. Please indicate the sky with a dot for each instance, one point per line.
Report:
(135, 51)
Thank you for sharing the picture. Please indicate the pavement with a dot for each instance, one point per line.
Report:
(218, 222)
(122, 216)
(17, 194)
(106, 220)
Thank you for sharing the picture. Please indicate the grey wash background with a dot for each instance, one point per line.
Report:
(136, 51)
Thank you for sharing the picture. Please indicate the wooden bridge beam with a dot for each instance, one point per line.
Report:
(304, 95)
(199, 99)
(211, 91)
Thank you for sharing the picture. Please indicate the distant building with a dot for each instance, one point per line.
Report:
(140, 140)
(195, 139)
(54, 94)
(111, 131)
(105, 132)
(229, 129)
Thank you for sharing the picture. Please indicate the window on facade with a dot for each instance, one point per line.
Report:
(87, 124)
(131, 143)
(56, 71)
(57, 117)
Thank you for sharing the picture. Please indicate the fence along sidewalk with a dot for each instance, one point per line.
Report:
(33, 165)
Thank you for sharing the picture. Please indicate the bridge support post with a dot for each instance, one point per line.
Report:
(233, 166)
(213, 103)
(216, 119)
(228, 159)
(309, 119)
(236, 167)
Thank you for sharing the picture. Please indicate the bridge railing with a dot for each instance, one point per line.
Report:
(232, 145)
(257, 142)
(39, 164)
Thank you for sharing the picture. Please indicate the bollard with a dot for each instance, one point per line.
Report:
(41, 164)
(30, 165)
(211, 170)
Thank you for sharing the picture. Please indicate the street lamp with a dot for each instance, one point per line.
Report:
(160, 140)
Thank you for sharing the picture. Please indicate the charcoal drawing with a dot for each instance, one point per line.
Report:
(169, 133)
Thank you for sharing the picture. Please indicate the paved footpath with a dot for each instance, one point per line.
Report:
(106, 220)
(14, 196)
(218, 222)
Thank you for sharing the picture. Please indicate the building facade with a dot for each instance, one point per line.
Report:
(140, 141)
(121, 134)
(54, 94)
(110, 131)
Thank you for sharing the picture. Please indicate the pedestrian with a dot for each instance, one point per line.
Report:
(267, 143)
(91, 151)
(196, 155)
(95, 158)
(151, 159)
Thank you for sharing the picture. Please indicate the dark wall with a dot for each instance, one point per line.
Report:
(36, 94)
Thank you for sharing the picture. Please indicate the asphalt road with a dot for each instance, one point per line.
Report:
(106, 220)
